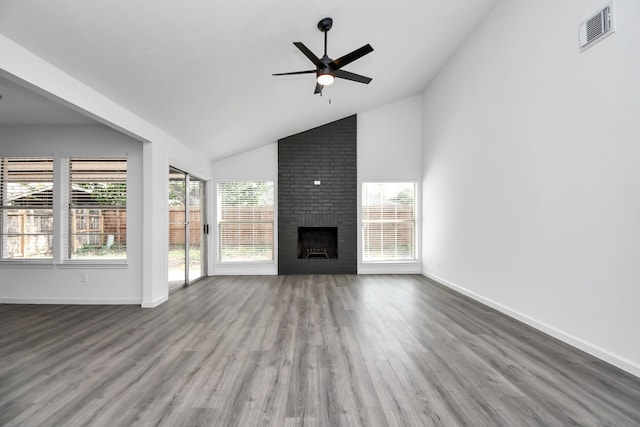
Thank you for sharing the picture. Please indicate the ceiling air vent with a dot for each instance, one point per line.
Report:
(596, 28)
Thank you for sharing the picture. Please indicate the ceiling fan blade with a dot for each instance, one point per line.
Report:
(295, 72)
(352, 76)
(308, 54)
(318, 89)
(350, 57)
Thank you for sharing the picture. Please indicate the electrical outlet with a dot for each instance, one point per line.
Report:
(84, 277)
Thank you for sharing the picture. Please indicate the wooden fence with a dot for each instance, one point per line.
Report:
(28, 233)
(177, 226)
(91, 228)
(99, 224)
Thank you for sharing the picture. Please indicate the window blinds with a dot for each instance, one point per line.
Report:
(97, 195)
(245, 221)
(26, 208)
(388, 221)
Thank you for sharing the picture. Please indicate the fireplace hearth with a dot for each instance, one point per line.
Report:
(317, 242)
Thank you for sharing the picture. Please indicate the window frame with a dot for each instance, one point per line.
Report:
(414, 256)
(6, 206)
(71, 202)
(221, 222)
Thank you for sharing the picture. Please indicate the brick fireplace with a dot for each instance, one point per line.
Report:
(317, 200)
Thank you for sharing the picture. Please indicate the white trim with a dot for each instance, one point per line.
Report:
(93, 264)
(31, 263)
(605, 355)
(72, 301)
(216, 233)
(392, 266)
(154, 303)
(35, 263)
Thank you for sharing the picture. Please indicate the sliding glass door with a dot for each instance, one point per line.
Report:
(187, 249)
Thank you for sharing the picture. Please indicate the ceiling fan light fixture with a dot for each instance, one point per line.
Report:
(325, 79)
(327, 69)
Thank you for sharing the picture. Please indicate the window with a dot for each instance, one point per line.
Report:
(245, 224)
(26, 208)
(388, 221)
(97, 195)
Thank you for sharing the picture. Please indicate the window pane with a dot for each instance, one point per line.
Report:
(246, 241)
(388, 221)
(245, 228)
(97, 208)
(26, 208)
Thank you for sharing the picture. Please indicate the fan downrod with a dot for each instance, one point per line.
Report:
(325, 24)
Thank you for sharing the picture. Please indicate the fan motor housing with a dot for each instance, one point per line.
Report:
(325, 24)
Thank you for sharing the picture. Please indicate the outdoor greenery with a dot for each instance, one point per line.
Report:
(247, 193)
(93, 252)
(243, 253)
(178, 195)
(107, 194)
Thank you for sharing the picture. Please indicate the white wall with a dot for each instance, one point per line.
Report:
(60, 283)
(260, 164)
(389, 147)
(163, 152)
(159, 151)
(531, 176)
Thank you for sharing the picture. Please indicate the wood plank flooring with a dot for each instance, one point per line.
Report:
(321, 350)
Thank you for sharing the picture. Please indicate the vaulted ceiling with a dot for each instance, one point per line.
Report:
(202, 70)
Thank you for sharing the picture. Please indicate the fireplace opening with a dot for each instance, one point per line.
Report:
(317, 242)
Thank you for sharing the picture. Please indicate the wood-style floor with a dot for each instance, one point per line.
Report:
(318, 350)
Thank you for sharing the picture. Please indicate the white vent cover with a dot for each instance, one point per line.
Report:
(597, 27)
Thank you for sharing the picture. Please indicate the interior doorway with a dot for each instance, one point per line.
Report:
(187, 229)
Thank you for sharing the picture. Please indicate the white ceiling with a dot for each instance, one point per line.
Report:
(201, 70)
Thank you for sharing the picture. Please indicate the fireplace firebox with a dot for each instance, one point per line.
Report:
(317, 242)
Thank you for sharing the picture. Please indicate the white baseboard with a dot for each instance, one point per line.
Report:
(71, 301)
(609, 357)
(154, 303)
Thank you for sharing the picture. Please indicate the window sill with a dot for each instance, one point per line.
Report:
(37, 264)
(27, 263)
(244, 262)
(93, 264)
(407, 261)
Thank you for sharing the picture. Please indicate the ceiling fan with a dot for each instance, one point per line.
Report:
(328, 69)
